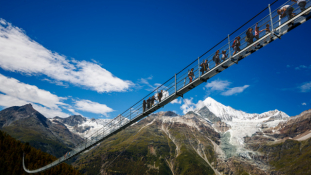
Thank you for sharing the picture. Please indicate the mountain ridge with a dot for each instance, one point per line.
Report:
(28, 125)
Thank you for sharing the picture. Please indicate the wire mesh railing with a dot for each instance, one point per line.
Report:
(201, 66)
(193, 71)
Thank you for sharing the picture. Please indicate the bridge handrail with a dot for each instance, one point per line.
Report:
(170, 87)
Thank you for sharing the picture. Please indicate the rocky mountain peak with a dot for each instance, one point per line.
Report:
(167, 113)
(11, 114)
(227, 113)
(26, 108)
(73, 120)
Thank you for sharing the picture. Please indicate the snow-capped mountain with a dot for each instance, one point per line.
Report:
(85, 127)
(241, 124)
(227, 113)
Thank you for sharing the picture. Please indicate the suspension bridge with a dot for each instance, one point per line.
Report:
(179, 84)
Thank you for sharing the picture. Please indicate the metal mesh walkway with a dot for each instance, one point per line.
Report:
(180, 83)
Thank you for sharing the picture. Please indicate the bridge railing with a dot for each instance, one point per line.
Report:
(181, 79)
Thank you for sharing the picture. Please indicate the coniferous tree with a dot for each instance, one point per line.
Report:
(11, 156)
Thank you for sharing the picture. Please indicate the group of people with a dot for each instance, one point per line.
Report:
(147, 104)
(216, 57)
(285, 11)
(249, 38)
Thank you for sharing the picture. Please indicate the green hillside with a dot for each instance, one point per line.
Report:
(151, 147)
(11, 155)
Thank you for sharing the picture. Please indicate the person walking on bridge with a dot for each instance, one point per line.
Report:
(267, 29)
(144, 105)
(224, 55)
(286, 10)
(202, 69)
(249, 38)
(257, 32)
(190, 75)
(148, 103)
(160, 94)
(216, 58)
(236, 45)
(206, 65)
(152, 101)
(302, 4)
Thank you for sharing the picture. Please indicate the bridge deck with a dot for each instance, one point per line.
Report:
(178, 86)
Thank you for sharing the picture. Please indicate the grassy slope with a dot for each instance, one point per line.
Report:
(147, 152)
(37, 140)
(290, 157)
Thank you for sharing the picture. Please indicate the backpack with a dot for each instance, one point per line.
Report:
(190, 73)
(233, 44)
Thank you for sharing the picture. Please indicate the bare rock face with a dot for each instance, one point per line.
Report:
(9, 115)
(294, 126)
(28, 125)
(206, 113)
(284, 149)
(221, 126)
(236, 166)
(72, 120)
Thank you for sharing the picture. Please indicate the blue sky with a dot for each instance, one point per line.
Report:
(98, 58)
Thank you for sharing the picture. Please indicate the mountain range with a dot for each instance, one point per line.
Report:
(211, 139)
(28, 125)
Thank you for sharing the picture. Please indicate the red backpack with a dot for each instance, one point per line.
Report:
(233, 44)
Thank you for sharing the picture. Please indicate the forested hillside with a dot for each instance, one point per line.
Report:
(11, 155)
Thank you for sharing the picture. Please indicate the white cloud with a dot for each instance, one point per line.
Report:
(223, 86)
(176, 101)
(93, 107)
(302, 67)
(190, 106)
(8, 101)
(50, 112)
(19, 53)
(26, 92)
(16, 93)
(217, 85)
(304, 104)
(234, 90)
(305, 87)
(145, 81)
(187, 106)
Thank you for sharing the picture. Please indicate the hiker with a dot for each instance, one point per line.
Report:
(190, 75)
(223, 55)
(286, 10)
(144, 105)
(203, 68)
(206, 66)
(148, 103)
(249, 37)
(302, 4)
(216, 58)
(236, 45)
(152, 101)
(257, 32)
(160, 95)
(267, 29)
